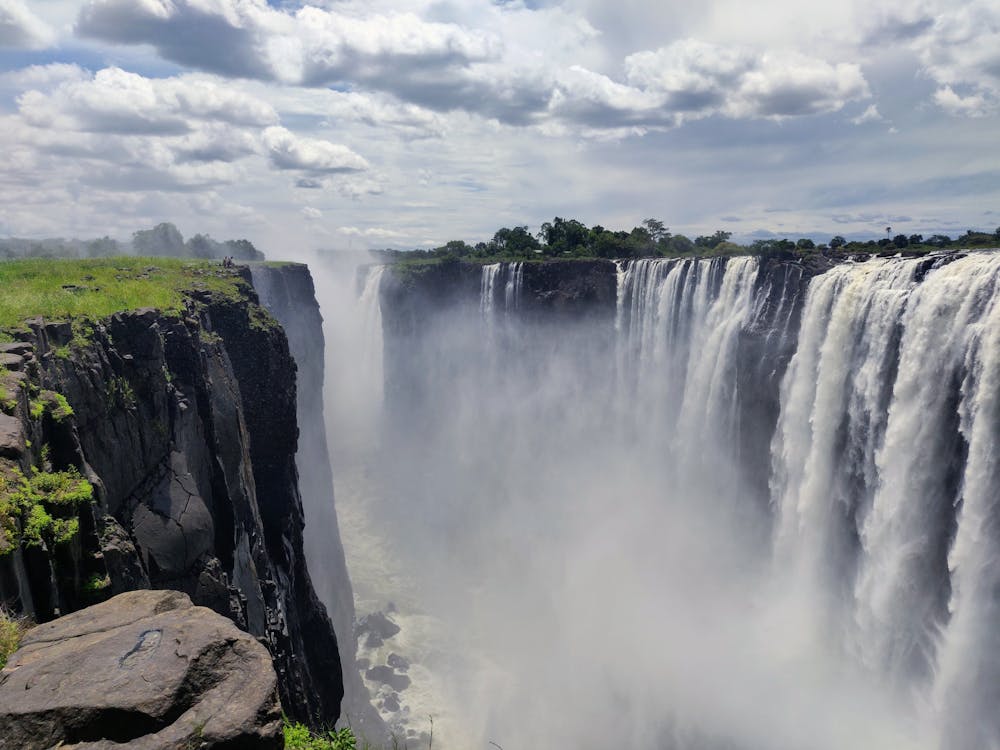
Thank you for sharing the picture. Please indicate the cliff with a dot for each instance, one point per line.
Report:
(183, 422)
(288, 293)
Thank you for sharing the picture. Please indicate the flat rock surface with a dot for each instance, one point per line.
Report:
(11, 436)
(146, 668)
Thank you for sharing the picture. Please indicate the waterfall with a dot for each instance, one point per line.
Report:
(511, 276)
(512, 289)
(678, 325)
(833, 404)
(757, 500)
(369, 304)
(487, 289)
(886, 482)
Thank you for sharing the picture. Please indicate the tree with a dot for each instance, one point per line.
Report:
(563, 236)
(915, 239)
(656, 229)
(837, 241)
(242, 250)
(163, 239)
(103, 247)
(680, 245)
(900, 240)
(805, 244)
(202, 246)
(641, 243)
(714, 240)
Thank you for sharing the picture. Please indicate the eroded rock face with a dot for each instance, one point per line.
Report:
(146, 668)
(185, 424)
(288, 293)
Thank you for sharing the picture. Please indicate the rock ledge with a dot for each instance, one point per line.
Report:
(146, 668)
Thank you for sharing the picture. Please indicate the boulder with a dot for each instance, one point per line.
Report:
(147, 669)
(378, 627)
(398, 662)
(11, 437)
(387, 676)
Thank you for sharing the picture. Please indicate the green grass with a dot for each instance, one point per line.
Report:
(94, 289)
(12, 630)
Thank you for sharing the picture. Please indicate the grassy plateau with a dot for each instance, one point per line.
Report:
(68, 289)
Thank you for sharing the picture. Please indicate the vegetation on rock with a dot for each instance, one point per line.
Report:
(40, 507)
(299, 737)
(12, 630)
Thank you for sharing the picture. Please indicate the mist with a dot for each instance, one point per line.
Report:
(570, 520)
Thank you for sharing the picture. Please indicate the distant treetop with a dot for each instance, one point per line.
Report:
(163, 240)
(652, 238)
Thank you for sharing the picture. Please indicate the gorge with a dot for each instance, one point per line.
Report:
(741, 502)
(732, 503)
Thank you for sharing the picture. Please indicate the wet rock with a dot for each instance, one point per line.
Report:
(398, 662)
(147, 669)
(391, 703)
(378, 627)
(387, 676)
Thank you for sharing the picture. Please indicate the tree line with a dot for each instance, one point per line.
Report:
(162, 240)
(652, 238)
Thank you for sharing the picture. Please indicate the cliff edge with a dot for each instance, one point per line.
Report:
(155, 448)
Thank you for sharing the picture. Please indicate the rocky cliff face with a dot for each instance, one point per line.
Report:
(185, 425)
(288, 293)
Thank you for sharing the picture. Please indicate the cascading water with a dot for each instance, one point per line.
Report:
(767, 517)
(512, 289)
(487, 290)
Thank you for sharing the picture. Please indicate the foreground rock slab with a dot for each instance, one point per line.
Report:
(146, 668)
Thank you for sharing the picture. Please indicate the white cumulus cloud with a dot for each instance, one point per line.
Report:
(20, 28)
(290, 151)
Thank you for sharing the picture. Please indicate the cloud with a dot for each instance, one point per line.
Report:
(972, 105)
(380, 233)
(312, 155)
(691, 79)
(312, 46)
(311, 214)
(20, 28)
(958, 45)
(43, 76)
(869, 115)
(116, 101)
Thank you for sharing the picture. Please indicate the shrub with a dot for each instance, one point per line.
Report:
(12, 629)
(40, 507)
(299, 737)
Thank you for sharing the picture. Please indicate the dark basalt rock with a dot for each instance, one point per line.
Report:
(185, 424)
(378, 627)
(398, 662)
(387, 676)
(146, 668)
(11, 437)
(288, 293)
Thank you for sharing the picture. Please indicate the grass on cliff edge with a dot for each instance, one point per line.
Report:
(63, 289)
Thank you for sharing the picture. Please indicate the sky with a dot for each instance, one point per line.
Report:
(407, 123)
